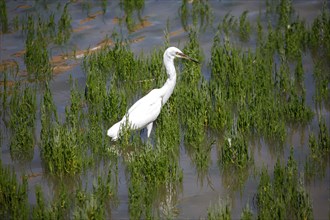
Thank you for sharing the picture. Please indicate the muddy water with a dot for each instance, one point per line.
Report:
(198, 191)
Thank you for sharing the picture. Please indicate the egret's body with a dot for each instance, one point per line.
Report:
(146, 110)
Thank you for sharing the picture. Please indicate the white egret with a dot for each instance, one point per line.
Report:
(146, 110)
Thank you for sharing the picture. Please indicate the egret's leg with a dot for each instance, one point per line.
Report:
(149, 128)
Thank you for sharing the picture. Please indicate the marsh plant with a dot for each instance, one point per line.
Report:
(4, 91)
(319, 158)
(193, 103)
(249, 92)
(251, 84)
(247, 213)
(244, 27)
(284, 10)
(219, 211)
(36, 57)
(3, 16)
(235, 152)
(322, 80)
(64, 26)
(95, 204)
(283, 197)
(58, 209)
(131, 8)
(49, 117)
(23, 107)
(78, 203)
(13, 195)
(199, 13)
(62, 144)
(318, 37)
(149, 170)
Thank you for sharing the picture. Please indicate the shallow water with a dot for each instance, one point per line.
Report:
(198, 191)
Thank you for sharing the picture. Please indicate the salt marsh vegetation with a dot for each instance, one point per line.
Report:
(255, 111)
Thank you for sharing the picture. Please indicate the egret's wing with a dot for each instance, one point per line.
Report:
(145, 110)
(147, 99)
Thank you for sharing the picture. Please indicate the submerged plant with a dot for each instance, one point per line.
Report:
(247, 213)
(95, 205)
(58, 209)
(219, 211)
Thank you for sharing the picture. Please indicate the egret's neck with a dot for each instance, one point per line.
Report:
(169, 85)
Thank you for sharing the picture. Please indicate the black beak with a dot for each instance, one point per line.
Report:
(182, 55)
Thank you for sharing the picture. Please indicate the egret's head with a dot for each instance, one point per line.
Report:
(173, 52)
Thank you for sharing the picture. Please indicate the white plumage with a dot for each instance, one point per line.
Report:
(146, 110)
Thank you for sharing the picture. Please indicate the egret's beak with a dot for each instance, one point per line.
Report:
(184, 56)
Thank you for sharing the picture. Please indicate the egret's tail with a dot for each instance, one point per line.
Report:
(113, 132)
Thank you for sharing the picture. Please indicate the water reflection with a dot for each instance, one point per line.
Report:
(168, 206)
(130, 8)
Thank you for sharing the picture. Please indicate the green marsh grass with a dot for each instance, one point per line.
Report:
(322, 80)
(36, 57)
(247, 213)
(149, 169)
(283, 197)
(257, 92)
(131, 8)
(229, 22)
(23, 107)
(318, 37)
(16, 23)
(77, 203)
(58, 209)
(285, 11)
(168, 130)
(4, 93)
(95, 204)
(244, 27)
(49, 118)
(219, 211)
(253, 84)
(13, 195)
(3, 16)
(235, 183)
(199, 14)
(40, 32)
(63, 145)
(235, 152)
(63, 26)
(316, 162)
(193, 102)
